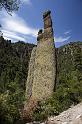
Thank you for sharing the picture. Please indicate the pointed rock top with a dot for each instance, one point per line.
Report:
(46, 13)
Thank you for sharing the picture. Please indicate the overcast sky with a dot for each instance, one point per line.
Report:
(24, 24)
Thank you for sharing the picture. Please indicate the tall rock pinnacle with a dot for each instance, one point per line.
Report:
(44, 73)
(42, 67)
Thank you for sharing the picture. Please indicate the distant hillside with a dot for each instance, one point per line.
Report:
(69, 61)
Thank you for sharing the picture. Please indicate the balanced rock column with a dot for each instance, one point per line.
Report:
(45, 70)
(42, 68)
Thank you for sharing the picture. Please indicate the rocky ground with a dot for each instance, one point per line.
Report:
(71, 116)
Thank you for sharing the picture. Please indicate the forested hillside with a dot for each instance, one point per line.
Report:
(69, 61)
(14, 60)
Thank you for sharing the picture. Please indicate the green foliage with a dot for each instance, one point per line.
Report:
(11, 103)
(14, 59)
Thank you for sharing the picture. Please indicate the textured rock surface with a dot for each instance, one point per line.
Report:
(29, 82)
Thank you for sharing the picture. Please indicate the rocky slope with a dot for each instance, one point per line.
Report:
(71, 116)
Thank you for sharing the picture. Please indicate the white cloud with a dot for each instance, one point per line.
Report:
(66, 36)
(62, 39)
(67, 32)
(9, 35)
(17, 26)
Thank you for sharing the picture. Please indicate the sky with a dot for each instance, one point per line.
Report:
(25, 23)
